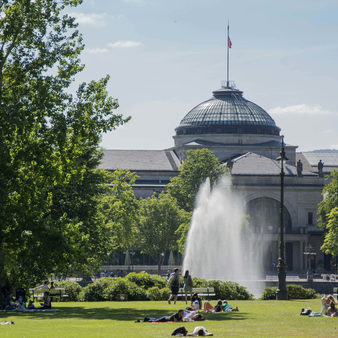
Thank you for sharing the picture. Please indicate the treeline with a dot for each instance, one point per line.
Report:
(160, 223)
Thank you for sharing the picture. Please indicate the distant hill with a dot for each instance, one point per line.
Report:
(325, 151)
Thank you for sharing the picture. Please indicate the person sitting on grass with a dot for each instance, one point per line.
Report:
(176, 317)
(47, 302)
(326, 302)
(196, 302)
(10, 303)
(332, 310)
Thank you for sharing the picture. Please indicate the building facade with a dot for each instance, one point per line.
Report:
(245, 138)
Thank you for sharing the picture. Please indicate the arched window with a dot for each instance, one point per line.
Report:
(264, 215)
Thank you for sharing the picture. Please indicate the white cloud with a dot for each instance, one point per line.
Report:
(97, 50)
(89, 19)
(334, 147)
(125, 44)
(301, 109)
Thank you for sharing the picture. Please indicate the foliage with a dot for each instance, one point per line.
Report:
(330, 245)
(230, 290)
(165, 293)
(154, 293)
(119, 209)
(328, 215)
(199, 282)
(95, 291)
(122, 286)
(158, 221)
(49, 139)
(299, 292)
(269, 293)
(72, 289)
(146, 281)
(198, 166)
(294, 292)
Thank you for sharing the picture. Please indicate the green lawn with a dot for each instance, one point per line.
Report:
(116, 319)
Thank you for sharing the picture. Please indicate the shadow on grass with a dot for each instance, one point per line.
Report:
(120, 314)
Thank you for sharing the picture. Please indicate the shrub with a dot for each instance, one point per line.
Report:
(269, 293)
(165, 293)
(72, 289)
(154, 293)
(199, 282)
(294, 292)
(122, 286)
(298, 292)
(230, 290)
(95, 291)
(147, 281)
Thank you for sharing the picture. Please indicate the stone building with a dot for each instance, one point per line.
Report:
(245, 137)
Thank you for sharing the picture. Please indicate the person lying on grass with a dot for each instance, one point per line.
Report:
(191, 316)
(219, 307)
(227, 307)
(176, 317)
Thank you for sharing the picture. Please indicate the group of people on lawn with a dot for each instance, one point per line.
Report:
(18, 300)
(196, 302)
(190, 313)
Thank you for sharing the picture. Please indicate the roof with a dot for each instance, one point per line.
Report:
(227, 112)
(330, 158)
(254, 164)
(138, 160)
(310, 160)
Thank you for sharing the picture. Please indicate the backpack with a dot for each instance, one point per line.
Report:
(173, 280)
(180, 331)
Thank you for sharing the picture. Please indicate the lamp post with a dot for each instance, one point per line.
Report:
(132, 253)
(309, 253)
(281, 293)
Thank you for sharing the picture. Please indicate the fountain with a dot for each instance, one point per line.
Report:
(220, 243)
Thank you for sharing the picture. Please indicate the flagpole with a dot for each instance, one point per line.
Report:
(228, 58)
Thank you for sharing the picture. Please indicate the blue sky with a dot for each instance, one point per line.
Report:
(165, 57)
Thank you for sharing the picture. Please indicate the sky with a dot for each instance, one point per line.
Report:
(166, 56)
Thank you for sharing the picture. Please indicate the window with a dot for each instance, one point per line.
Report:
(310, 218)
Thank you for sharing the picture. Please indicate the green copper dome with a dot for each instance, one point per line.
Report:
(227, 112)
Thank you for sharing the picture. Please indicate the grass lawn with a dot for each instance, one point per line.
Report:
(116, 319)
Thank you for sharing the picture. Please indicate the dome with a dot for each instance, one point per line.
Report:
(227, 112)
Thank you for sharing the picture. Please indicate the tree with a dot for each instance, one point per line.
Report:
(198, 166)
(328, 215)
(158, 221)
(49, 184)
(120, 209)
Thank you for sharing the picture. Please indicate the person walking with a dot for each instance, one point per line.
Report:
(174, 285)
(188, 284)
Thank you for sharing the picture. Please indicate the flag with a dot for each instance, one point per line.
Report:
(229, 42)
